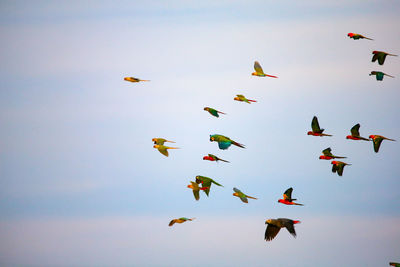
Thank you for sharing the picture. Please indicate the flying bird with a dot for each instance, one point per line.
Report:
(316, 130)
(287, 198)
(135, 80)
(259, 71)
(196, 189)
(379, 75)
(243, 197)
(357, 36)
(380, 56)
(206, 182)
(213, 112)
(355, 134)
(163, 149)
(338, 166)
(160, 141)
(328, 155)
(377, 140)
(180, 220)
(395, 264)
(224, 142)
(275, 225)
(241, 98)
(212, 157)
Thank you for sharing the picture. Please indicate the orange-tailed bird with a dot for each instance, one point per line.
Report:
(243, 197)
(380, 56)
(135, 80)
(355, 133)
(328, 155)
(242, 98)
(377, 140)
(357, 36)
(287, 198)
(259, 71)
(338, 166)
(275, 225)
(180, 220)
(316, 130)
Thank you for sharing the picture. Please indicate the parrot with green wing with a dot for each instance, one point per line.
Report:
(160, 141)
(287, 198)
(180, 220)
(355, 133)
(206, 182)
(357, 36)
(259, 71)
(377, 140)
(213, 112)
(395, 264)
(196, 189)
(243, 197)
(328, 155)
(164, 149)
(380, 56)
(338, 166)
(224, 142)
(275, 225)
(212, 157)
(379, 75)
(135, 80)
(316, 130)
(241, 98)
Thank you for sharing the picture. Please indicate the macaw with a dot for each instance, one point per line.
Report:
(163, 149)
(357, 36)
(206, 182)
(328, 155)
(287, 198)
(135, 80)
(395, 264)
(160, 141)
(377, 140)
(211, 157)
(213, 112)
(243, 197)
(259, 71)
(380, 56)
(180, 220)
(316, 130)
(275, 225)
(355, 134)
(241, 98)
(338, 166)
(379, 75)
(196, 189)
(224, 142)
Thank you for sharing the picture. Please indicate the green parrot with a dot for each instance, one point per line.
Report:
(355, 133)
(163, 149)
(328, 155)
(206, 182)
(395, 264)
(180, 220)
(377, 140)
(160, 141)
(380, 56)
(338, 166)
(275, 225)
(379, 75)
(135, 80)
(243, 197)
(211, 157)
(224, 142)
(243, 99)
(213, 112)
(196, 189)
(259, 71)
(357, 36)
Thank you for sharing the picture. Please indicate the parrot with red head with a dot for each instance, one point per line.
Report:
(377, 140)
(380, 56)
(357, 36)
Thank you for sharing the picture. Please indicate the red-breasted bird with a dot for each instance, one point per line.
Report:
(163, 149)
(180, 220)
(380, 56)
(275, 225)
(259, 71)
(328, 155)
(212, 157)
(355, 133)
(357, 36)
(213, 112)
(224, 142)
(287, 198)
(379, 75)
(135, 80)
(196, 189)
(377, 140)
(338, 166)
(395, 264)
(241, 98)
(160, 141)
(243, 197)
(206, 182)
(316, 130)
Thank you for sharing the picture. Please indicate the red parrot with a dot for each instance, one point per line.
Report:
(316, 130)
(357, 36)
(338, 166)
(355, 133)
(287, 198)
(377, 140)
(328, 155)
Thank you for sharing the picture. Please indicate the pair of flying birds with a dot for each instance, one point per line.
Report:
(159, 144)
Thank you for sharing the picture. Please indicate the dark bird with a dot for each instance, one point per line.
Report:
(275, 225)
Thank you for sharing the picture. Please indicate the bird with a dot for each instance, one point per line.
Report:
(316, 130)
(328, 155)
(355, 134)
(241, 98)
(163, 149)
(259, 71)
(275, 225)
(395, 264)
(160, 141)
(214, 112)
(379, 75)
(243, 197)
(180, 220)
(357, 36)
(287, 198)
(338, 166)
(135, 80)
(196, 189)
(380, 56)
(377, 140)
(212, 157)
(206, 182)
(223, 141)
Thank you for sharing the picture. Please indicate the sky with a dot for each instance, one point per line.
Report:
(81, 185)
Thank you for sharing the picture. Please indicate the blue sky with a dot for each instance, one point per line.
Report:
(76, 158)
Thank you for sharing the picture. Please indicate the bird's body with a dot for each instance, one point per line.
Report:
(275, 225)
(316, 130)
(380, 56)
(242, 98)
(164, 149)
(213, 112)
(355, 133)
(196, 189)
(259, 71)
(377, 140)
(135, 80)
(160, 141)
(287, 198)
(224, 142)
(206, 182)
(212, 157)
(395, 264)
(328, 155)
(338, 166)
(243, 197)
(357, 36)
(379, 75)
(180, 220)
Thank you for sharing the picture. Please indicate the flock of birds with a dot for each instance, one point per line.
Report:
(203, 183)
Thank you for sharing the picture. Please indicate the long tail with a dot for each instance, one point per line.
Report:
(145, 80)
(169, 141)
(251, 197)
(336, 157)
(272, 76)
(389, 139)
(389, 75)
(191, 219)
(223, 160)
(368, 38)
(237, 144)
(326, 134)
(251, 100)
(221, 112)
(363, 138)
(392, 55)
(298, 204)
(173, 147)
